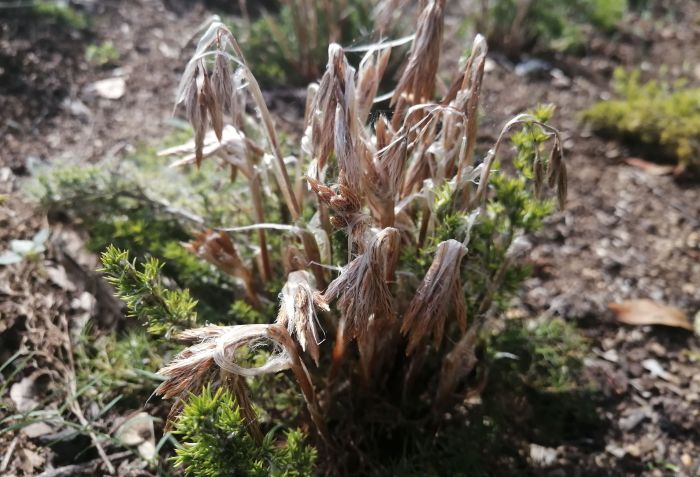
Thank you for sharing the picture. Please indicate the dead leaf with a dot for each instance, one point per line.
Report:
(648, 312)
(24, 394)
(650, 167)
(37, 429)
(30, 460)
(138, 431)
(58, 277)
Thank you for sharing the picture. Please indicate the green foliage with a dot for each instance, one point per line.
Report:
(281, 42)
(533, 383)
(118, 366)
(549, 353)
(140, 205)
(216, 442)
(655, 114)
(162, 310)
(540, 361)
(513, 208)
(546, 24)
(102, 54)
(59, 12)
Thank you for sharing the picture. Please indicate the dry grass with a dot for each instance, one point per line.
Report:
(374, 186)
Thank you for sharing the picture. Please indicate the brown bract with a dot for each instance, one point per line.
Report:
(362, 289)
(417, 82)
(298, 302)
(439, 292)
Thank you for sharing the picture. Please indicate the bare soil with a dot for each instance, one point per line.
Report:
(625, 234)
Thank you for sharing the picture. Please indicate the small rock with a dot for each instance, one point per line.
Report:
(615, 450)
(610, 355)
(657, 349)
(631, 421)
(489, 65)
(686, 460)
(23, 394)
(559, 79)
(533, 67)
(542, 456)
(657, 370)
(30, 460)
(633, 450)
(167, 50)
(76, 108)
(110, 88)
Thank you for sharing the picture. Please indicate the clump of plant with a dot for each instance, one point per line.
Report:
(393, 246)
(60, 12)
(661, 115)
(514, 26)
(290, 46)
(102, 54)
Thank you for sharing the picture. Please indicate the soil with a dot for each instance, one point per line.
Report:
(626, 233)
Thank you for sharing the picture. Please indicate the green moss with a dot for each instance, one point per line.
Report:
(549, 353)
(546, 24)
(59, 12)
(102, 54)
(657, 114)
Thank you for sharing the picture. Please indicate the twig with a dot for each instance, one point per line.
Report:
(8, 455)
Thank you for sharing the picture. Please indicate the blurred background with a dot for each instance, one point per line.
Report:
(607, 324)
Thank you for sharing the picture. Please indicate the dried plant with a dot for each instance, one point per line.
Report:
(290, 44)
(418, 225)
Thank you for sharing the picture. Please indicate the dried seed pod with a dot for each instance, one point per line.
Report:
(293, 260)
(346, 150)
(297, 313)
(362, 289)
(369, 76)
(222, 83)
(562, 186)
(440, 291)
(417, 82)
(554, 164)
(330, 93)
(191, 100)
(194, 366)
(196, 111)
(218, 249)
(207, 96)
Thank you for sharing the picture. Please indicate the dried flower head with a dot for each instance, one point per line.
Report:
(439, 292)
(297, 312)
(218, 249)
(417, 82)
(362, 289)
